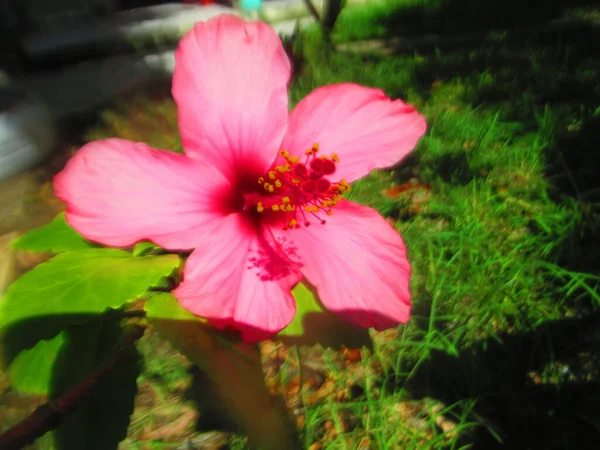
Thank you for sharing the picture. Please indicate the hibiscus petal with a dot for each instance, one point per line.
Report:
(230, 85)
(241, 280)
(362, 125)
(357, 263)
(119, 192)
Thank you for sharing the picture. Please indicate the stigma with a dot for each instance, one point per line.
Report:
(302, 190)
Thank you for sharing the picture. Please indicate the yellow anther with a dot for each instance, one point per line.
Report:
(343, 185)
(318, 199)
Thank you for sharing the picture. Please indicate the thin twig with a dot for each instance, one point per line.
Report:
(49, 415)
(313, 11)
(331, 14)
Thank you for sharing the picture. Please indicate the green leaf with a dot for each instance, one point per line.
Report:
(83, 282)
(144, 248)
(70, 288)
(101, 422)
(31, 371)
(313, 325)
(233, 379)
(55, 237)
(164, 306)
(305, 303)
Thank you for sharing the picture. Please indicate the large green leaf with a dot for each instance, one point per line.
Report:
(101, 422)
(72, 287)
(55, 237)
(313, 325)
(82, 282)
(31, 371)
(233, 373)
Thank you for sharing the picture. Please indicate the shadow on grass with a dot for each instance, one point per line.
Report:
(523, 72)
(453, 166)
(460, 16)
(523, 386)
(572, 169)
(574, 164)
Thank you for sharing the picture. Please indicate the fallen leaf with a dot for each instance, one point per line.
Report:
(351, 354)
(411, 187)
(175, 428)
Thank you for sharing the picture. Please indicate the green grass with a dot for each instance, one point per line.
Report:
(503, 237)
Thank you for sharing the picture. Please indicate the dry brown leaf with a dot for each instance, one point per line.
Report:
(173, 429)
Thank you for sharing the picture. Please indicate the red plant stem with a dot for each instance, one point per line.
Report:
(48, 416)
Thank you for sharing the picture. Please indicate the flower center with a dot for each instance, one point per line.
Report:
(300, 190)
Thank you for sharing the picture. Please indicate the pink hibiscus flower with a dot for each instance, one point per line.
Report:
(258, 193)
